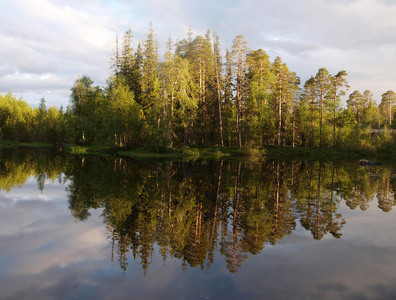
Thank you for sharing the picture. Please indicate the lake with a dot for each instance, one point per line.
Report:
(92, 227)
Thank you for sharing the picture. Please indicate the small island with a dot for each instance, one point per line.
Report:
(198, 101)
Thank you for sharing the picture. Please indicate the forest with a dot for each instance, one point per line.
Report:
(197, 96)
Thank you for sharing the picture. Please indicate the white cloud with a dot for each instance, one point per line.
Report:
(54, 44)
(61, 39)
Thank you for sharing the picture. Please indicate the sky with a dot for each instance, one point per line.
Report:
(47, 44)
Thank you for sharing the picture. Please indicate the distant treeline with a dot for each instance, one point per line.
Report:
(198, 96)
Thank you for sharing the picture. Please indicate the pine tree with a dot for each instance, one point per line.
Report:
(259, 117)
(228, 107)
(388, 100)
(355, 102)
(284, 92)
(322, 92)
(370, 111)
(150, 84)
(198, 52)
(136, 80)
(218, 82)
(151, 97)
(309, 93)
(340, 84)
(239, 52)
(127, 58)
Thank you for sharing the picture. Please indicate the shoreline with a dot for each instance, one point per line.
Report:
(214, 152)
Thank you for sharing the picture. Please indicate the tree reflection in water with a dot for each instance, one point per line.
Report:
(191, 210)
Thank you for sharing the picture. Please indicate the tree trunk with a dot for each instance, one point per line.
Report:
(219, 103)
(184, 141)
(279, 118)
(321, 120)
(313, 123)
(334, 118)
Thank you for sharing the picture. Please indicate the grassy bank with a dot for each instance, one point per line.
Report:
(150, 152)
(95, 149)
(147, 152)
(9, 144)
(143, 152)
(271, 153)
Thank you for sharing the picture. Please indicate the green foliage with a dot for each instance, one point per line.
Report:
(387, 105)
(192, 99)
(16, 119)
(122, 116)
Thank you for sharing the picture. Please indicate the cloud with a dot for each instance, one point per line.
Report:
(54, 44)
(61, 39)
(292, 47)
(387, 2)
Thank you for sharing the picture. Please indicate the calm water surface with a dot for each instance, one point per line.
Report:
(75, 227)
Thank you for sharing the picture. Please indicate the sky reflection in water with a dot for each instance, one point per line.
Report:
(47, 254)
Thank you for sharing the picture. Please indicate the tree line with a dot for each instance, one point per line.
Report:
(197, 96)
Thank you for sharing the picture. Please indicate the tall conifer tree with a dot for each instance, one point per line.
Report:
(239, 52)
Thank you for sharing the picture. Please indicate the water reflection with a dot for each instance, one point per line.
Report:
(201, 211)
